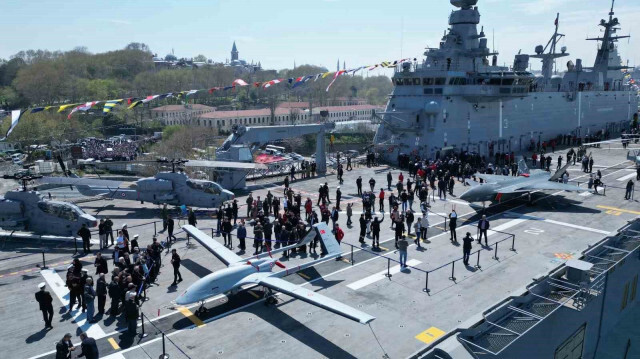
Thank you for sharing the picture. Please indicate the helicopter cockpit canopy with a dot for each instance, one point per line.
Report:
(205, 186)
(61, 210)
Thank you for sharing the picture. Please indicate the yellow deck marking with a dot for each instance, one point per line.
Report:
(430, 335)
(195, 320)
(113, 343)
(345, 260)
(254, 294)
(614, 209)
(304, 275)
(565, 256)
(13, 273)
(383, 248)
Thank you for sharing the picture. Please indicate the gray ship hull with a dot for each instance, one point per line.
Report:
(506, 125)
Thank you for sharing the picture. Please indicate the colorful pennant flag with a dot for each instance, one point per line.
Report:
(15, 117)
(64, 107)
(37, 109)
(335, 77)
(85, 107)
(109, 105)
(239, 82)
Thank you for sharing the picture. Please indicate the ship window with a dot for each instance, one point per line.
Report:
(457, 81)
(572, 347)
(437, 91)
(416, 82)
(505, 90)
(427, 81)
(399, 82)
(440, 80)
(507, 82)
(428, 91)
(495, 81)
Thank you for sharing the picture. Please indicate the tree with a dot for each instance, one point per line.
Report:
(138, 46)
(170, 57)
(200, 58)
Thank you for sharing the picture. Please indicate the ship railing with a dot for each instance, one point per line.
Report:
(357, 254)
(617, 248)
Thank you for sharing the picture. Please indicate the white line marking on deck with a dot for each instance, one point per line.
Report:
(624, 178)
(56, 284)
(379, 276)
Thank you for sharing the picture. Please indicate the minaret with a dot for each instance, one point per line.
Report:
(344, 65)
(338, 65)
(234, 52)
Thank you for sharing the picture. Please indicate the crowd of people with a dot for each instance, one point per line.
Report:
(284, 219)
(117, 150)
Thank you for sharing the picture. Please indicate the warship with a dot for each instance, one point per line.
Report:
(458, 100)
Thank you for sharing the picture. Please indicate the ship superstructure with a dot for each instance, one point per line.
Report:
(459, 99)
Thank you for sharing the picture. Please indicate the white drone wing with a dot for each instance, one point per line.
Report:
(221, 252)
(316, 299)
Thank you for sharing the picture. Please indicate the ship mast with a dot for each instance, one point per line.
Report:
(601, 64)
(549, 58)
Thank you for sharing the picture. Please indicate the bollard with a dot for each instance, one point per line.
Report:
(211, 232)
(495, 254)
(513, 242)
(351, 255)
(388, 275)
(478, 261)
(426, 284)
(155, 231)
(164, 354)
(75, 245)
(44, 266)
(143, 334)
(453, 269)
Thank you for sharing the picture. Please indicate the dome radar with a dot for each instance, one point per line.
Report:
(464, 4)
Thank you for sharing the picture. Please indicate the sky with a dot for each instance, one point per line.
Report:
(318, 32)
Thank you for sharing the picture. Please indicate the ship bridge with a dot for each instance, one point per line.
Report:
(474, 87)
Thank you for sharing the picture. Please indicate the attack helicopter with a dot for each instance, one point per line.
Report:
(173, 188)
(25, 209)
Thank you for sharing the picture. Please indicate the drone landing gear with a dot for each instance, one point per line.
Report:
(201, 310)
(270, 298)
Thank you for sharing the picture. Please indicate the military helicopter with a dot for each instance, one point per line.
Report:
(28, 210)
(173, 188)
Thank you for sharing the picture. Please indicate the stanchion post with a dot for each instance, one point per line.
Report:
(143, 334)
(44, 266)
(426, 283)
(453, 269)
(445, 224)
(155, 230)
(164, 354)
(75, 244)
(513, 242)
(351, 255)
(388, 275)
(478, 261)
(495, 254)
